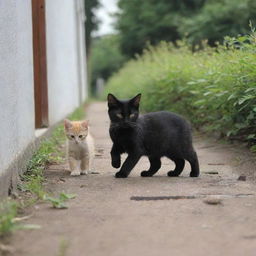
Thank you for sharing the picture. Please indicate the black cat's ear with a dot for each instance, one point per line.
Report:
(112, 100)
(136, 100)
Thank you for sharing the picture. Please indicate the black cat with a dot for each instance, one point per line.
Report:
(154, 135)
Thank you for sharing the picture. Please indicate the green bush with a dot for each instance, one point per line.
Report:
(214, 88)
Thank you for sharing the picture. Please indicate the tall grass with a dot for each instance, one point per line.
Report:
(49, 152)
(214, 88)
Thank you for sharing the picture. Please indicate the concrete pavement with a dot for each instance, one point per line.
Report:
(103, 220)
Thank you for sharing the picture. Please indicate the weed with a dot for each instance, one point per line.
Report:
(59, 202)
(63, 247)
(49, 152)
(8, 211)
(8, 218)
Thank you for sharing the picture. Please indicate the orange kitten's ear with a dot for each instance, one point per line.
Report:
(84, 124)
(67, 124)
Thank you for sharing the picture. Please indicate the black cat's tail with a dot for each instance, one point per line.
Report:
(193, 160)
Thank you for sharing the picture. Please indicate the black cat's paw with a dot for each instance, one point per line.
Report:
(173, 174)
(194, 174)
(146, 174)
(116, 163)
(121, 175)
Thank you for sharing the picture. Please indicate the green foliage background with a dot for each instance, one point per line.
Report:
(217, 19)
(106, 57)
(214, 88)
(140, 22)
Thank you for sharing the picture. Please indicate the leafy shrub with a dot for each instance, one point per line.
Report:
(214, 88)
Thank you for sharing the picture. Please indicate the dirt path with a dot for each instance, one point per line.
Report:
(104, 221)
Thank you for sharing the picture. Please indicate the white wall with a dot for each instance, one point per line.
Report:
(16, 79)
(65, 61)
(63, 65)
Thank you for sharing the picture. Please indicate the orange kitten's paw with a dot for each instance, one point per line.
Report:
(75, 173)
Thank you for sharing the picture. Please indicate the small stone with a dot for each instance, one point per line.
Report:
(61, 180)
(213, 200)
(250, 237)
(82, 186)
(212, 172)
(205, 226)
(242, 178)
(94, 172)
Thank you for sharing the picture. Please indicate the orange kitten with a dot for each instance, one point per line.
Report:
(80, 146)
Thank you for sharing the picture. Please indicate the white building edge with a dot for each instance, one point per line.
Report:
(65, 76)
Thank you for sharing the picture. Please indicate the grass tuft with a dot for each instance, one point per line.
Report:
(59, 202)
(8, 211)
(49, 152)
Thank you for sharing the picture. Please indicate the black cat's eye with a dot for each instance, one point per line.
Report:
(119, 115)
(132, 115)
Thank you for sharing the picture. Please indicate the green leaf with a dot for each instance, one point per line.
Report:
(232, 96)
(65, 196)
(253, 148)
(251, 136)
(59, 201)
(191, 83)
(60, 205)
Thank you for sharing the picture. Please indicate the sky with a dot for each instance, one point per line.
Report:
(103, 14)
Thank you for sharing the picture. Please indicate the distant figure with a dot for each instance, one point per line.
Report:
(154, 135)
(99, 86)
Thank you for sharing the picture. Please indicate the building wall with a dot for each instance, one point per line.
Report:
(66, 86)
(63, 65)
(16, 83)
